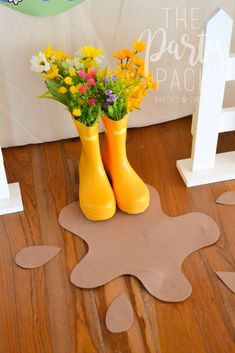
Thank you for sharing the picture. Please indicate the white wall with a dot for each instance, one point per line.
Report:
(110, 25)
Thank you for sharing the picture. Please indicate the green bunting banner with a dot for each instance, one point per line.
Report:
(40, 7)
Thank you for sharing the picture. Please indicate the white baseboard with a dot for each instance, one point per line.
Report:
(14, 202)
(224, 169)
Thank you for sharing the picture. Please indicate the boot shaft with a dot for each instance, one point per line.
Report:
(96, 196)
(89, 137)
(115, 139)
(131, 193)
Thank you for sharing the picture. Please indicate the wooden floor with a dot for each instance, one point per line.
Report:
(42, 312)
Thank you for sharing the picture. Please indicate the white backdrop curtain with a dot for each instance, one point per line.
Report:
(108, 24)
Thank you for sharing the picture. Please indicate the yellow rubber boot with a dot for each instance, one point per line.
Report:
(96, 196)
(132, 195)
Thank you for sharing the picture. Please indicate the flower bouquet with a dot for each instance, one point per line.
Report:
(88, 91)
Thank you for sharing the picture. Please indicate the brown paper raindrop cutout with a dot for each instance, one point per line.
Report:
(119, 316)
(35, 256)
(227, 198)
(228, 278)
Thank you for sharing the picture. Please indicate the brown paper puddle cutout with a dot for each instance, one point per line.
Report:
(35, 256)
(119, 316)
(150, 246)
(227, 198)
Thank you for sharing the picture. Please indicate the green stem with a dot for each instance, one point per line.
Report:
(44, 95)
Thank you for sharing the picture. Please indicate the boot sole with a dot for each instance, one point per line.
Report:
(133, 208)
(94, 215)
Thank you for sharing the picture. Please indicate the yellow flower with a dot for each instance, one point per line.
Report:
(73, 89)
(48, 52)
(150, 78)
(77, 112)
(63, 90)
(58, 54)
(52, 73)
(72, 71)
(139, 46)
(89, 63)
(91, 52)
(68, 80)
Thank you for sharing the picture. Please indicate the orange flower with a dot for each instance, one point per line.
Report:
(138, 61)
(132, 72)
(128, 53)
(133, 103)
(139, 45)
(141, 72)
(118, 54)
(154, 85)
(63, 90)
(124, 53)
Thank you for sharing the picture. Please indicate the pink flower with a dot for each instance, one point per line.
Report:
(93, 72)
(91, 82)
(91, 101)
(89, 76)
(81, 73)
(83, 89)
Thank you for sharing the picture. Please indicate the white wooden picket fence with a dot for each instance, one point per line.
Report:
(10, 196)
(205, 166)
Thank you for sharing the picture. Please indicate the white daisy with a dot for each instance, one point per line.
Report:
(99, 59)
(39, 63)
(74, 62)
(15, 2)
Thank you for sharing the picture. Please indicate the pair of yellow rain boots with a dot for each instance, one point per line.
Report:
(97, 197)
